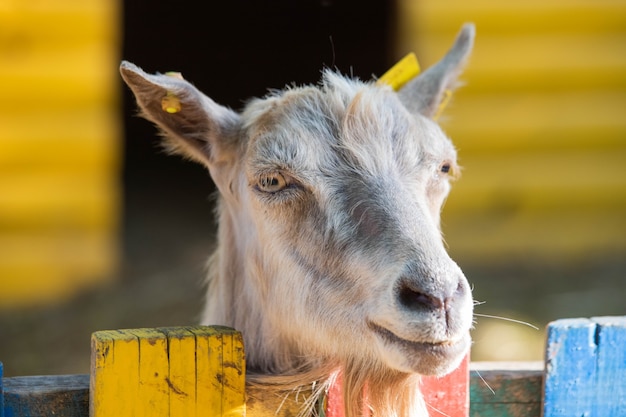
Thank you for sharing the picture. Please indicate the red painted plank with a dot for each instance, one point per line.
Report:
(447, 396)
(334, 401)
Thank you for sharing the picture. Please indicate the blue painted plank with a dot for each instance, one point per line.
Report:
(586, 368)
(610, 367)
(1, 391)
(54, 395)
(570, 368)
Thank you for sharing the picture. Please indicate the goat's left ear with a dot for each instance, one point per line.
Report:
(194, 125)
(424, 93)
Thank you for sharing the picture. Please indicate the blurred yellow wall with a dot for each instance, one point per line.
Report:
(540, 124)
(59, 140)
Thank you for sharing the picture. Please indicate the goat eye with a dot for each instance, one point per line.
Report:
(271, 183)
(445, 167)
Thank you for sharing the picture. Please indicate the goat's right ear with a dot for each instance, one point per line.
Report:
(194, 125)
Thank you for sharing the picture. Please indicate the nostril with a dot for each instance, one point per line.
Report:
(417, 300)
(458, 294)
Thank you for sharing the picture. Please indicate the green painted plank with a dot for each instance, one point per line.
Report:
(505, 410)
(506, 389)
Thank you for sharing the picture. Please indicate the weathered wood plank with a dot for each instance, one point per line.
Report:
(147, 372)
(586, 367)
(182, 372)
(220, 377)
(570, 368)
(507, 389)
(58, 395)
(153, 394)
(234, 372)
(610, 385)
(114, 373)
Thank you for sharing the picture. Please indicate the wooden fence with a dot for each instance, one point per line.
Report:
(192, 371)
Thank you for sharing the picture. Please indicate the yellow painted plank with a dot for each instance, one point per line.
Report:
(182, 371)
(176, 370)
(233, 369)
(59, 139)
(114, 374)
(540, 181)
(220, 352)
(153, 395)
(205, 392)
(535, 119)
(79, 252)
(65, 202)
(31, 285)
(524, 45)
(515, 16)
(220, 391)
(216, 362)
(54, 22)
(558, 235)
(54, 78)
(519, 56)
(45, 268)
(59, 150)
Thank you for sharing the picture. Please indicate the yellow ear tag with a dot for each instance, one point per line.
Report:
(405, 70)
(170, 103)
(175, 75)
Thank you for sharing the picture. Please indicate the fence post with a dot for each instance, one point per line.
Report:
(190, 371)
(1, 391)
(448, 395)
(586, 368)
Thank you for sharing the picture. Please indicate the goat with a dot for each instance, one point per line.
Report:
(329, 254)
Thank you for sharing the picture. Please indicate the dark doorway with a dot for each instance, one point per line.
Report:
(231, 50)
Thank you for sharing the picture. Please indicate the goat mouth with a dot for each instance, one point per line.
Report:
(426, 358)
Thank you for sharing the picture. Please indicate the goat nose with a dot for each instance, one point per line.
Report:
(415, 299)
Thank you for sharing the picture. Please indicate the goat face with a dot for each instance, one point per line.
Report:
(329, 244)
(345, 187)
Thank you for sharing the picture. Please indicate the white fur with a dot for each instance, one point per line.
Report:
(342, 266)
